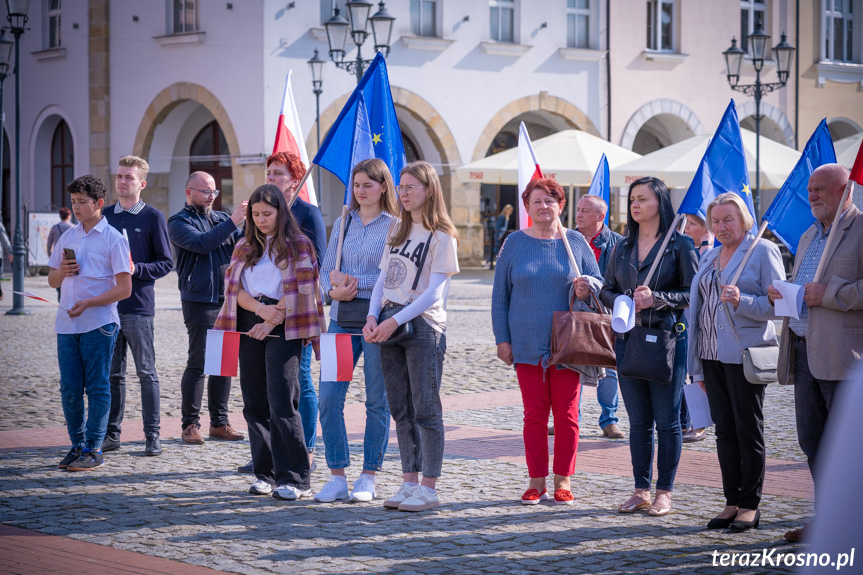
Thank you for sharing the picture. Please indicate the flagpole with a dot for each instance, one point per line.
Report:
(671, 229)
(299, 186)
(682, 229)
(749, 252)
(341, 238)
(568, 248)
(831, 239)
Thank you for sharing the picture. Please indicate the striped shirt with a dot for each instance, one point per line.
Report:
(134, 210)
(361, 253)
(709, 292)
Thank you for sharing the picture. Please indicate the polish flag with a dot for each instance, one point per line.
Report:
(528, 169)
(31, 295)
(337, 357)
(289, 138)
(223, 353)
(857, 168)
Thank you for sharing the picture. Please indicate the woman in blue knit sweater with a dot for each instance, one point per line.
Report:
(532, 281)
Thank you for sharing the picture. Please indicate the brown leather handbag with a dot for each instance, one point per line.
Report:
(582, 337)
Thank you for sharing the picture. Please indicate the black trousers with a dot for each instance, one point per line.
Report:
(737, 409)
(271, 396)
(199, 317)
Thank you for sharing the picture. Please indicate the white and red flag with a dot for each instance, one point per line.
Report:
(223, 353)
(36, 297)
(528, 169)
(289, 138)
(337, 357)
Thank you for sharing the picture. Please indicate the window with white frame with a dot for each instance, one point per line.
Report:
(52, 27)
(185, 16)
(328, 7)
(838, 43)
(752, 18)
(578, 23)
(661, 16)
(502, 16)
(423, 17)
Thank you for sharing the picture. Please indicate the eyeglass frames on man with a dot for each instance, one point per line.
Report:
(212, 193)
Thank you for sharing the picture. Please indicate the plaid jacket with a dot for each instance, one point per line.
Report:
(304, 310)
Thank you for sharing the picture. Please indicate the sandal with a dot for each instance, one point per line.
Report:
(657, 511)
(634, 503)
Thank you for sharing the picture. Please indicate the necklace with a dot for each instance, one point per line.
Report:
(720, 265)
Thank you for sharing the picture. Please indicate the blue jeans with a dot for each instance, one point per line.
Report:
(84, 360)
(308, 399)
(606, 396)
(648, 402)
(136, 333)
(332, 404)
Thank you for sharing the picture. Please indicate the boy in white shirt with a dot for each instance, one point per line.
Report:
(90, 264)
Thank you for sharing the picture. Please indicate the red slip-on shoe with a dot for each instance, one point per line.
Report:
(563, 496)
(532, 496)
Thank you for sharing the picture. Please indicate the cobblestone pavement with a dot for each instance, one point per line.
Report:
(188, 505)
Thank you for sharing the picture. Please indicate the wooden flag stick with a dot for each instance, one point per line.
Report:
(568, 248)
(299, 187)
(831, 239)
(682, 229)
(671, 229)
(749, 253)
(341, 238)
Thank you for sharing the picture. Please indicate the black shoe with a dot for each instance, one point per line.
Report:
(110, 444)
(73, 455)
(741, 526)
(88, 461)
(154, 446)
(720, 523)
(247, 468)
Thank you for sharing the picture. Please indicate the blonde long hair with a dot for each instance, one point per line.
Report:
(434, 215)
(377, 171)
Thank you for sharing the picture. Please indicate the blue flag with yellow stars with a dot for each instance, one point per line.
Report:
(790, 214)
(336, 153)
(722, 169)
(599, 185)
(362, 144)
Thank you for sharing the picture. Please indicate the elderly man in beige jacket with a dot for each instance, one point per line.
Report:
(819, 350)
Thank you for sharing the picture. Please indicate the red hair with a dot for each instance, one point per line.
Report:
(549, 186)
(292, 161)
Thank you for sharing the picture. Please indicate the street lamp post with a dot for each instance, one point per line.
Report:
(16, 13)
(337, 34)
(5, 55)
(317, 66)
(759, 51)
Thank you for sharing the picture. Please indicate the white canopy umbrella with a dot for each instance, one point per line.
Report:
(846, 149)
(570, 157)
(676, 164)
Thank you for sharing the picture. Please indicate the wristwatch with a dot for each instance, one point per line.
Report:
(707, 244)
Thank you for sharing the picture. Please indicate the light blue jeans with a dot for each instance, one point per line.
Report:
(308, 399)
(607, 397)
(332, 406)
(85, 360)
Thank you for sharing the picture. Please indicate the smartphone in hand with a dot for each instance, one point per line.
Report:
(69, 254)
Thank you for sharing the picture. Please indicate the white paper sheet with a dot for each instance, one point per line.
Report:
(792, 299)
(699, 408)
(623, 317)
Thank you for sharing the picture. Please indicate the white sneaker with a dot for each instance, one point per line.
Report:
(261, 487)
(421, 499)
(364, 488)
(405, 491)
(290, 493)
(335, 488)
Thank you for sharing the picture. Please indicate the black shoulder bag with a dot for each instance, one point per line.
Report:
(406, 330)
(352, 313)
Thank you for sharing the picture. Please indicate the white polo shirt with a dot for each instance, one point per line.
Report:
(102, 253)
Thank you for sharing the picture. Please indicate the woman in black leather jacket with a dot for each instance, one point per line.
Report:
(660, 305)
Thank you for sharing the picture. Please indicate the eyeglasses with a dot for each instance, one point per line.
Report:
(409, 189)
(212, 193)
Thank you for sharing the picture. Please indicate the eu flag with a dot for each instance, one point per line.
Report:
(336, 151)
(362, 147)
(599, 184)
(790, 215)
(722, 169)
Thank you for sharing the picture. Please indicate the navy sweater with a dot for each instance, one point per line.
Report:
(151, 254)
(311, 221)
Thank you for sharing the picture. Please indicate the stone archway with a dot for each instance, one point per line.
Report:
(542, 102)
(773, 114)
(655, 108)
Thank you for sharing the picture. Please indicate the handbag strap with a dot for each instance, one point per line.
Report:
(422, 261)
(347, 227)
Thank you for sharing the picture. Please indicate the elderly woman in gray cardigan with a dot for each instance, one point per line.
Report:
(716, 352)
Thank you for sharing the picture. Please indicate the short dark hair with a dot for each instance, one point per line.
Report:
(65, 213)
(666, 210)
(90, 185)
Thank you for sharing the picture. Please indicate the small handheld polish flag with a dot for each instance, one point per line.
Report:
(223, 353)
(337, 357)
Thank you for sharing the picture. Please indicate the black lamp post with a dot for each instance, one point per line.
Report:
(358, 13)
(317, 66)
(759, 51)
(16, 13)
(5, 55)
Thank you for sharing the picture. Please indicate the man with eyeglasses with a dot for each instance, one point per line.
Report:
(203, 241)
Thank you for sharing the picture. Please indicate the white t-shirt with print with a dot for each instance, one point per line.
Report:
(400, 263)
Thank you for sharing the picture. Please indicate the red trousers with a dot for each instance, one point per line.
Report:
(554, 390)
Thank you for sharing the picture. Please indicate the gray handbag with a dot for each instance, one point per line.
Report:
(761, 363)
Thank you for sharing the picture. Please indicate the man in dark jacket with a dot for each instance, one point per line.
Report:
(144, 228)
(203, 241)
(590, 218)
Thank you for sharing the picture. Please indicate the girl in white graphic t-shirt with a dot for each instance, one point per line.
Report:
(418, 260)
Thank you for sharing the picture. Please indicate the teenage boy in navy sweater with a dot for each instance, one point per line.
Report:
(147, 233)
